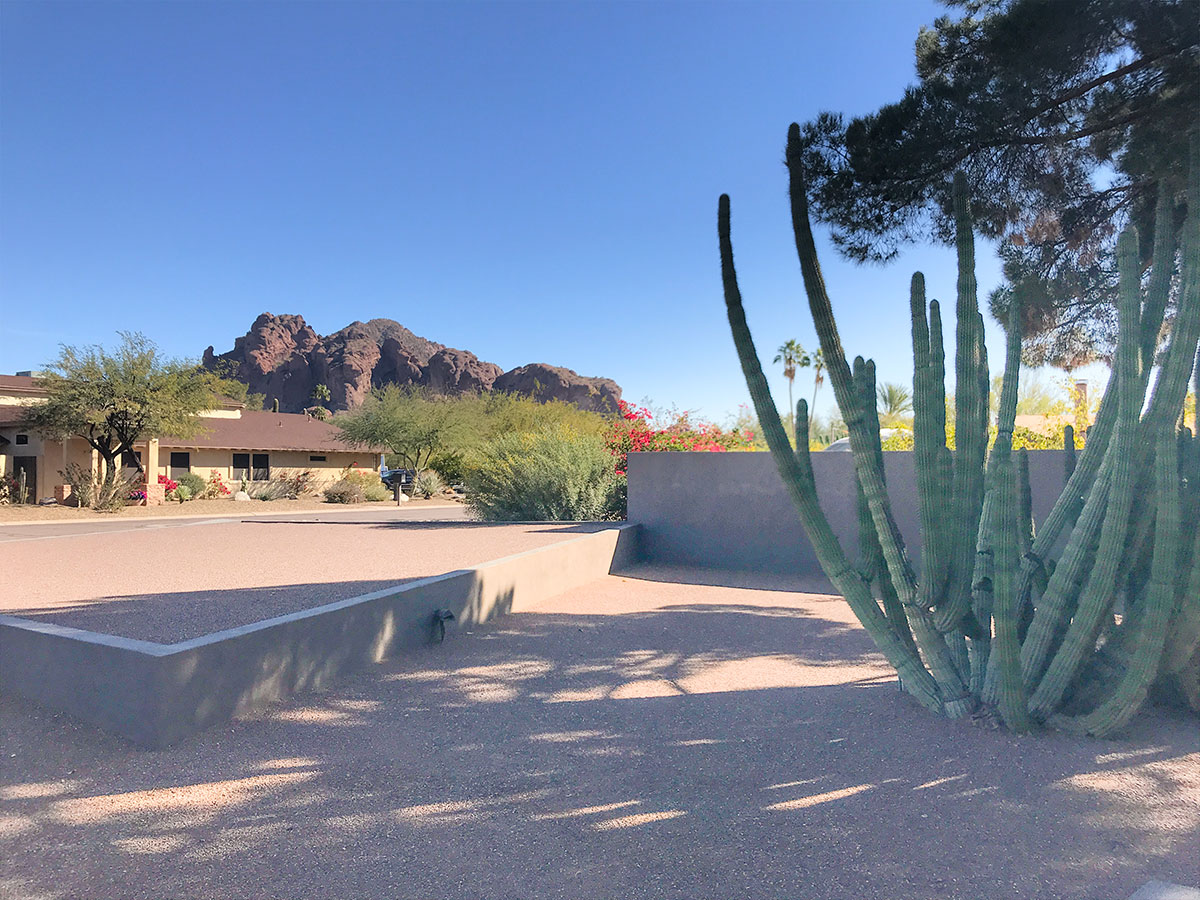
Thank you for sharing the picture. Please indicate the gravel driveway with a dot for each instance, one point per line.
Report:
(659, 734)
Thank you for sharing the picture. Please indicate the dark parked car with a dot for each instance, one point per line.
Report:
(394, 477)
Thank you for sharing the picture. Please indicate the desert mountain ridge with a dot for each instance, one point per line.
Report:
(284, 359)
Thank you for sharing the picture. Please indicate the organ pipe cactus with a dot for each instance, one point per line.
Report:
(1071, 622)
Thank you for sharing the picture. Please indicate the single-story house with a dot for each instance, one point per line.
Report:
(235, 442)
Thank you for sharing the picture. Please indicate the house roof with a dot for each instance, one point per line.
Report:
(267, 431)
(12, 415)
(27, 386)
(20, 384)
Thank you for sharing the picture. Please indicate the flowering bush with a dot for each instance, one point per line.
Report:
(137, 496)
(634, 431)
(9, 489)
(1023, 439)
(168, 485)
(215, 487)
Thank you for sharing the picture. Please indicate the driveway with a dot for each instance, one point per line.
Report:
(657, 734)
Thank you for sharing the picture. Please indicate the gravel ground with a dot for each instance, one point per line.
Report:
(648, 736)
(168, 583)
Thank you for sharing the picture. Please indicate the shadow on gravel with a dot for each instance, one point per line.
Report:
(686, 750)
(445, 524)
(804, 583)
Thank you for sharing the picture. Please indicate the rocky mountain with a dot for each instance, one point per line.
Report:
(282, 358)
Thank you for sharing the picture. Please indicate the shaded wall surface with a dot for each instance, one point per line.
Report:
(731, 511)
(155, 694)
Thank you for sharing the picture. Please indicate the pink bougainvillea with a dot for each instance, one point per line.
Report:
(634, 431)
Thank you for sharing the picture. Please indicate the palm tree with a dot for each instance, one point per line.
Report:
(818, 363)
(894, 401)
(792, 355)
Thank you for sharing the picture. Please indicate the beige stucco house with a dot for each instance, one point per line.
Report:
(235, 442)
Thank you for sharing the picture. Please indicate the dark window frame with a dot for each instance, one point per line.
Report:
(260, 466)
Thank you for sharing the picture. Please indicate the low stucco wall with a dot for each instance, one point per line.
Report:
(731, 511)
(156, 694)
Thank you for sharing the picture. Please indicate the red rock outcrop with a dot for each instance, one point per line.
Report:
(543, 382)
(282, 358)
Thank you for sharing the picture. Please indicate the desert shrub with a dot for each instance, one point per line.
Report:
(9, 488)
(556, 474)
(109, 493)
(427, 483)
(297, 482)
(284, 484)
(1022, 439)
(345, 491)
(359, 476)
(81, 482)
(368, 483)
(376, 492)
(215, 487)
(450, 465)
(194, 483)
(183, 493)
(272, 489)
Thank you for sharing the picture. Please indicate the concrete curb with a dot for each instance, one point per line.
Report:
(156, 694)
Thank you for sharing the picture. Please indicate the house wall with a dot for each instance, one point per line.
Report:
(205, 460)
(35, 447)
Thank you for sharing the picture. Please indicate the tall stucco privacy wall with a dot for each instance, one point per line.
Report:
(731, 510)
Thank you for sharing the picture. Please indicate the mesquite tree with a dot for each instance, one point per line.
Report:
(1071, 624)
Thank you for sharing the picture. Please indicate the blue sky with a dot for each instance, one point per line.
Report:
(529, 181)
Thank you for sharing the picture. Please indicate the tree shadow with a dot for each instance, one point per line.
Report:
(678, 749)
(736, 578)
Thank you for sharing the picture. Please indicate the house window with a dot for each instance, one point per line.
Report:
(131, 459)
(316, 459)
(181, 464)
(22, 439)
(251, 467)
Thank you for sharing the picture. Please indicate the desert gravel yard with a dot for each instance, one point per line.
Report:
(168, 582)
(662, 733)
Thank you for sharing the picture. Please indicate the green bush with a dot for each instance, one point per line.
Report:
(427, 483)
(183, 493)
(556, 474)
(194, 483)
(450, 465)
(345, 491)
(375, 492)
